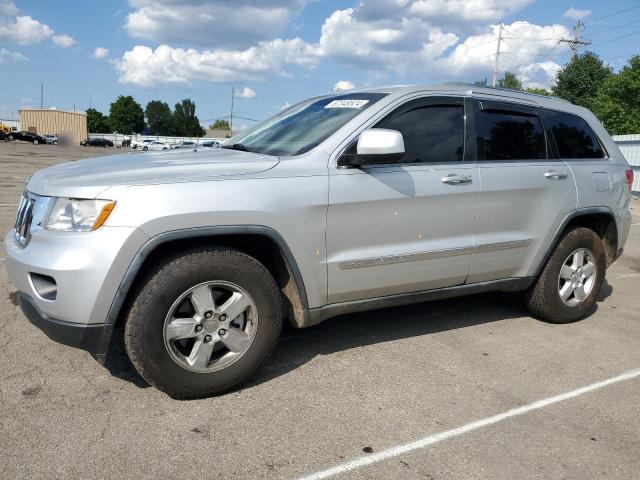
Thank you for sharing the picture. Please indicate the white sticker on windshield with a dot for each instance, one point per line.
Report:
(347, 104)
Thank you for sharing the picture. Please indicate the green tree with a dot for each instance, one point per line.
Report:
(126, 115)
(97, 122)
(538, 91)
(159, 118)
(220, 125)
(185, 119)
(579, 80)
(617, 103)
(510, 81)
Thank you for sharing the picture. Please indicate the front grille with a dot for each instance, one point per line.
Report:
(24, 218)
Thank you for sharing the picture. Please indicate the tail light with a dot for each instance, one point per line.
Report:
(629, 174)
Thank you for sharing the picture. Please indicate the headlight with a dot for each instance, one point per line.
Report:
(73, 215)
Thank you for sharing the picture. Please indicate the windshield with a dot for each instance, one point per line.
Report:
(303, 126)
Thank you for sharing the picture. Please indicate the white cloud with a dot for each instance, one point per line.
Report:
(458, 11)
(100, 52)
(7, 7)
(577, 14)
(538, 75)
(24, 30)
(343, 85)
(7, 55)
(64, 41)
(284, 106)
(145, 67)
(415, 39)
(246, 92)
(235, 24)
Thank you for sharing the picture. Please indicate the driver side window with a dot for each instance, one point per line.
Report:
(433, 132)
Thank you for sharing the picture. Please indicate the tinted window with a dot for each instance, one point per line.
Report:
(573, 136)
(503, 135)
(433, 133)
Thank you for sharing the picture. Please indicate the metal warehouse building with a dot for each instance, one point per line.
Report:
(72, 125)
(629, 145)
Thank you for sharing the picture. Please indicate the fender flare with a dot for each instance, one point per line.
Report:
(143, 253)
(580, 212)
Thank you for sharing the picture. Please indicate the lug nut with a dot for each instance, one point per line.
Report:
(207, 338)
(198, 328)
(208, 314)
(222, 331)
(223, 317)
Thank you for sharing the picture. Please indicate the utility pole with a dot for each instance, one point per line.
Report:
(233, 94)
(573, 44)
(495, 62)
(41, 96)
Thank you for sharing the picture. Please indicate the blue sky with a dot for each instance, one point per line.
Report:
(280, 51)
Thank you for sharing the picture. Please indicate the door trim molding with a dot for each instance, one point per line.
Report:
(418, 256)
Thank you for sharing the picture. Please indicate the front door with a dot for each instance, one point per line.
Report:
(406, 226)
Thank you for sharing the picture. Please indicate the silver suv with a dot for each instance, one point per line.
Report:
(341, 203)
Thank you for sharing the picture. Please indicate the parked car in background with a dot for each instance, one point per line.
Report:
(97, 142)
(340, 204)
(139, 144)
(185, 144)
(52, 139)
(155, 145)
(211, 143)
(3, 136)
(25, 136)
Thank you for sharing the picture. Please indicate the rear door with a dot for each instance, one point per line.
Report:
(406, 226)
(525, 193)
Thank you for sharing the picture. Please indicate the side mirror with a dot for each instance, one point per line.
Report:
(375, 146)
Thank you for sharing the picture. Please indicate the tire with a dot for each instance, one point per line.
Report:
(145, 149)
(55, 142)
(155, 299)
(544, 298)
(35, 142)
(10, 138)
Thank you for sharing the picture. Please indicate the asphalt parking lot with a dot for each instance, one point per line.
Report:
(354, 387)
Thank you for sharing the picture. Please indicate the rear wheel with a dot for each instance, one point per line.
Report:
(569, 283)
(145, 148)
(35, 141)
(203, 322)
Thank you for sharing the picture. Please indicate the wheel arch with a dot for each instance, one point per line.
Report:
(599, 219)
(263, 243)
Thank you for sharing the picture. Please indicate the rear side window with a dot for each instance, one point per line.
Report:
(509, 135)
(432, 133)
(573, 136)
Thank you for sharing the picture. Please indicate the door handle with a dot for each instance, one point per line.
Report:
(453, 179)
(555, 175)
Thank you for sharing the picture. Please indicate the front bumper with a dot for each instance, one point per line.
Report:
(91, 338)
(86, 268)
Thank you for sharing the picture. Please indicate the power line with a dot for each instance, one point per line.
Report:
(615, 13)
(612, 28)
(616, 38)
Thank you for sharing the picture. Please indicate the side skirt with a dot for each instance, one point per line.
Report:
(318, 315)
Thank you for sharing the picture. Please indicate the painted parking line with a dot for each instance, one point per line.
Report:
(392, 452)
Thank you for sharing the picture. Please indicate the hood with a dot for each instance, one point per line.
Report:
(87, 178)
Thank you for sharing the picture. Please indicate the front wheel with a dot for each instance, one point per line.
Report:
(569, 283)
(145, 148)
(35, 142)
(203, 322)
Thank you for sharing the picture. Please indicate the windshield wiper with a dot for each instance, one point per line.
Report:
(237, 146)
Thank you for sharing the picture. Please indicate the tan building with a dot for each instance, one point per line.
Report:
(71, 125)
